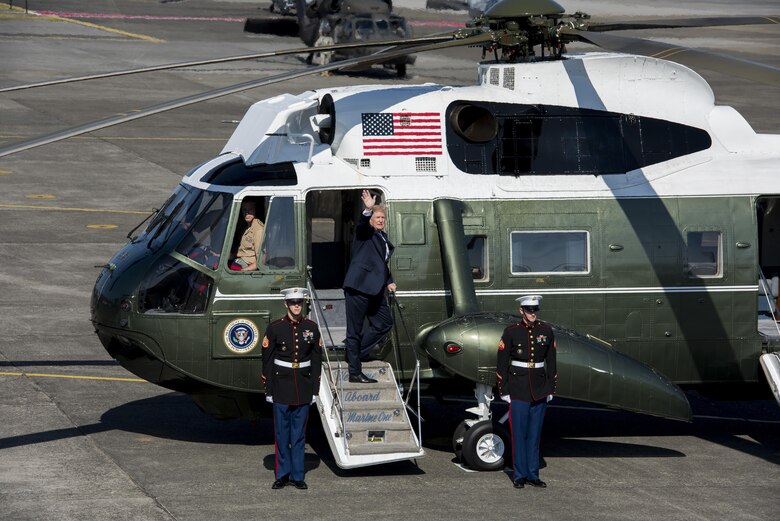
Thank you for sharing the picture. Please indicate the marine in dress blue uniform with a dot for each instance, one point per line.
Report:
(367, 278)
(292, 364)
(527, 374)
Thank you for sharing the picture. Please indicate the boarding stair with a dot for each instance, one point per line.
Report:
(365, 424)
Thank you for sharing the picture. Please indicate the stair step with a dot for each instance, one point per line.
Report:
(382, 405)
(389, 425)
(383, 448)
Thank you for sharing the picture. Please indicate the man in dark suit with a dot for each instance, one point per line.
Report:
(367, 278)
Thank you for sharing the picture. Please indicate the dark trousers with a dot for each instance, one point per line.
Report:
(359, 308)
(525, 421)
(290, 434)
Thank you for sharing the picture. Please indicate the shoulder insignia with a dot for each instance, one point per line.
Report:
(265, 342)
(501, 345)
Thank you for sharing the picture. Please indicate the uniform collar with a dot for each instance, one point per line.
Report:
(291, 321)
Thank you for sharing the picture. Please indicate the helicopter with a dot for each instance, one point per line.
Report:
(602, 181)
(328, 22)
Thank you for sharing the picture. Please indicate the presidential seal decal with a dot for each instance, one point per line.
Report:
(241, 336)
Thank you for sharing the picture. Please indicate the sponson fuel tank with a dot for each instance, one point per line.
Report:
(588, 369)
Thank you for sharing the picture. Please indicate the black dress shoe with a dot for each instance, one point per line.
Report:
(361, 379)
(537, 483)
(300, 485)
(519, 483)
(281, 483)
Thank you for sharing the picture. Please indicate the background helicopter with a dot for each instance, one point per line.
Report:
(329, 22)
(515, 50)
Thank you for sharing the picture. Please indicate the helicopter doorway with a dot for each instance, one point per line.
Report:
(768, 222)
(331, 217)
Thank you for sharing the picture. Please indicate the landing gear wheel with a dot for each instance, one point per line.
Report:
(484, 446)
(400, 70)
(457, 440)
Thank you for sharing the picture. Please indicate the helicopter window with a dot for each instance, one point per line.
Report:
(168, 207)
(704, 254)
(476, 246)
(171, 286)
(549, 252)
(278, 249)
(206, 235)
(179, 215)
(236, 173)
(552, 140)
(245, 249)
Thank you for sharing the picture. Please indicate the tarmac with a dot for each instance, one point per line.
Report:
(81, 438)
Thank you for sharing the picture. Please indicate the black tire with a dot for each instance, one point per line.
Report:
(457, 440)
(484, 447)
(400, 70)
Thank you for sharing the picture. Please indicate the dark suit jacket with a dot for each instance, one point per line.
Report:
(368, 272)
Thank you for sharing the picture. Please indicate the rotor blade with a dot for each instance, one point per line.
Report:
(232, 89)
(694, 58)
(300, 50)
(672, 23)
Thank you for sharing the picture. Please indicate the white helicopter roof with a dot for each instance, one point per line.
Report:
(285, 129)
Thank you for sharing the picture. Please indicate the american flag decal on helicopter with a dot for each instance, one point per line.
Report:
(401, 133)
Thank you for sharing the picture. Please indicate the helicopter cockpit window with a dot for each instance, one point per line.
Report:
(172, 286)
(206, 232)
(177, 216)
(704, 255)
(279, 246)
(549, 252)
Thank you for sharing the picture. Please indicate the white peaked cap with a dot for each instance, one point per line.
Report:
(529, 300)
(295, 293)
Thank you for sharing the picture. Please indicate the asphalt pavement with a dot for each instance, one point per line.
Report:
(81, 438)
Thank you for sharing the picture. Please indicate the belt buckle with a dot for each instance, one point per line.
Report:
(295, 365)
(531, 365)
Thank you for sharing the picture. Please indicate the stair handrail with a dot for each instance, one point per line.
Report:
(337, 387)
(415, 380)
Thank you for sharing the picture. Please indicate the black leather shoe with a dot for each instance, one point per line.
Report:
(519, 483)
(361, 379)
(537, 483)
(281, 483)
(300, 485)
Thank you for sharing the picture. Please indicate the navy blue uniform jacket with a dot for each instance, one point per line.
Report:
(526, 344)
(368, 271)
(292, 343)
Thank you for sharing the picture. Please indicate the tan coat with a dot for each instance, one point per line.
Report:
(249, 249)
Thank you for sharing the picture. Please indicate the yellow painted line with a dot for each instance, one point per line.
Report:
(668, 52)
(74, 377)
(40, 196)
(5, 172)
(772, 20)
(64, 209)
(143, 37)
(102, 226)
(55, 18)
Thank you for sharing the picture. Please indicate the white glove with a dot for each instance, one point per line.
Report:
(549, 398)
(269, 398)
(313, 400)
(506, 398)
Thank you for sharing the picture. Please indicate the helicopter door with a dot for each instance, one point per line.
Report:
(248, 293)
(768, 220)
(331, 216)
